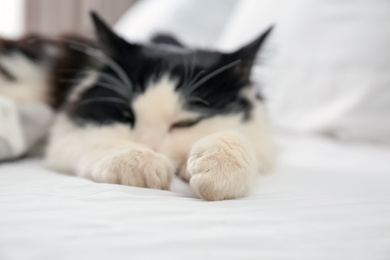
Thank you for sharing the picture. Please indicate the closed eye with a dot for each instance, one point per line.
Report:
(128, 116)
(186, 123)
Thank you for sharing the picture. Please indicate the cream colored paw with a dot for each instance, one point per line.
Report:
(221, 167)
(136, 167)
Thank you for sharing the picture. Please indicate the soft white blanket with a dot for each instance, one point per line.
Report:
(326, 200)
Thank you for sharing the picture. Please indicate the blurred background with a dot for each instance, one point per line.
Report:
(18, 17)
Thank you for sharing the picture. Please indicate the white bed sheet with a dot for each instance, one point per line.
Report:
(325, 200)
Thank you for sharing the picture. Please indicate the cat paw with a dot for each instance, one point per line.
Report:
(139, 168)
(221, 167)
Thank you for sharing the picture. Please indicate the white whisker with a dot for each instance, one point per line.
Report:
(198, 99)
(99, 55)
(110, 82)
(104, 99)
(196, 78)
(212, 74)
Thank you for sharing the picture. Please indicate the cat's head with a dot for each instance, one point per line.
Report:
(207, 82)
(164, 87)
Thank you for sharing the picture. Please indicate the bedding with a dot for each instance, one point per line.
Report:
(325, 200)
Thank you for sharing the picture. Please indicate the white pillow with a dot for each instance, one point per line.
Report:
(333, 72)
(331, 68)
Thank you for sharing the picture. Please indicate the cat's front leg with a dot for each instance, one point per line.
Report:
(222, 166)
(136, 166)
(105, 154)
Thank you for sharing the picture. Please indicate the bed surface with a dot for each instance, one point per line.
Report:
(325, 200)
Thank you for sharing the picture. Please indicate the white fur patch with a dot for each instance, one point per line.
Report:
(31, 84)
(11, 128)
(83, 86)
(156, 110)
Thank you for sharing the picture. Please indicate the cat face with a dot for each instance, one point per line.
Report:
(164, 92)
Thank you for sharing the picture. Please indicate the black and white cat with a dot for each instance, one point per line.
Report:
(148, 111)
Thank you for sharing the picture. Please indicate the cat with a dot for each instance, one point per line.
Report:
(135, 114)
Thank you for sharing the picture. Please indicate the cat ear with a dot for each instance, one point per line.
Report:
(109, 41)
(247, 55)
(166, 39)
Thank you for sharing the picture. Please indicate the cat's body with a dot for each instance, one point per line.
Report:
(146, 112)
